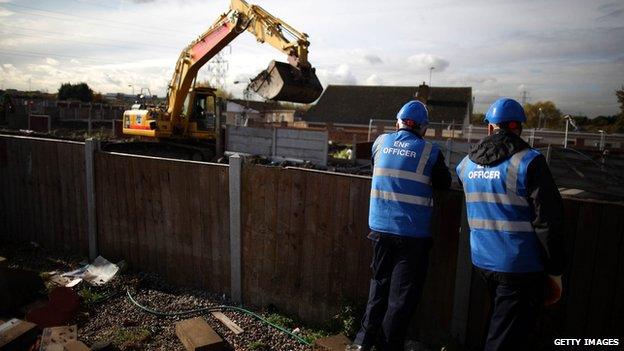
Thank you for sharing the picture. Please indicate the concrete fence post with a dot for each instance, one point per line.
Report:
(235, 174)
(91, 147)
(274, 143)
(463, 280)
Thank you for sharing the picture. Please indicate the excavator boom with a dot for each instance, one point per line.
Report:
(187, 115)
(295, 81)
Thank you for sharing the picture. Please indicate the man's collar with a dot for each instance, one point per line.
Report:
(411, 131)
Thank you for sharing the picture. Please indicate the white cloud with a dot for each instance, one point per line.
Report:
(4, 12)
(374, 79)
(569, 51)
(373, 59)
(426, 61)
(341, 75)
(51, 61)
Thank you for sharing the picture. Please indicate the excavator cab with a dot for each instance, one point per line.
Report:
(202, 111)
(284, 82)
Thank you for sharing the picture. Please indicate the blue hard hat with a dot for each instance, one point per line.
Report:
(415, 111)
(505, 110)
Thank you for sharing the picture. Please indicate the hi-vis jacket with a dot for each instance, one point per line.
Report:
(401, 200)
(502, 237)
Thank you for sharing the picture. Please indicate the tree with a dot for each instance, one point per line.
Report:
(80, 91)
(550, 115)
(477, 119)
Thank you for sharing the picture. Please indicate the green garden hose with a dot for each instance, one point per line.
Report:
(215, 309)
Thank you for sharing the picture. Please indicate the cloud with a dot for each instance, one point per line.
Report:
(426, 61)
(112, 80)
(373, 59)
(142, 1)
(51, 61)
(373, 79)
(74, 61)
(610, 10)
(341, 75)
(521, 88)
(612, 14)
(4, 12)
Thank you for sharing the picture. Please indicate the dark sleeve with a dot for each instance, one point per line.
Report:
(440, 175)
(547, 206)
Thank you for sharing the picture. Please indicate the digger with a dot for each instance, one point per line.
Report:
(191, 118)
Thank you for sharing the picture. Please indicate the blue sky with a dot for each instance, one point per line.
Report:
(567, 51)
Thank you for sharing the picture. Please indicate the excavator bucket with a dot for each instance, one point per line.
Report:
(284, 82)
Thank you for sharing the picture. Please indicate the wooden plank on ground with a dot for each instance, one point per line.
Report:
(195, 334)
(227, 322)
(332, 343)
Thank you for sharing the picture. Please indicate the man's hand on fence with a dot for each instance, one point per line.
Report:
(553, 290)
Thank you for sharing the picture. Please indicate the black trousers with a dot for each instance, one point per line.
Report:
(517, 301)
(399, 269)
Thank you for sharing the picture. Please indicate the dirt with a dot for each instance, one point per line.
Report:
(107, 315)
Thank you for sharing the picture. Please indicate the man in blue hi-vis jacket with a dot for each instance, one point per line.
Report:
(515, 215)
(405, 168)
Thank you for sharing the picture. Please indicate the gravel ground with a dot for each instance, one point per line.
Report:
(107, 315)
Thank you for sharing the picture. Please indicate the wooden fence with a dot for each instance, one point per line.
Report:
(302, 232)
(593, 300)
(42, 187)
(165, 216)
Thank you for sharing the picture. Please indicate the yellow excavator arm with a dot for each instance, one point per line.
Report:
(294, 81)
(266, 28)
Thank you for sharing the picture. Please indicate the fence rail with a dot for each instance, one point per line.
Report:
(303, 246)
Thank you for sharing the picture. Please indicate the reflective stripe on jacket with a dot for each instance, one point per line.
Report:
(401, 197)
(502, 237)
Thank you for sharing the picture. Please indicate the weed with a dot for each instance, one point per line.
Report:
(89, 297)
(281, 320)
(130, 338)
(347, 318)
(311, 335)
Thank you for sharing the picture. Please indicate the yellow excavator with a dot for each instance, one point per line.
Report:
(192, 113)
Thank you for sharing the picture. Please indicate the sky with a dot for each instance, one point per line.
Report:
(568, 51)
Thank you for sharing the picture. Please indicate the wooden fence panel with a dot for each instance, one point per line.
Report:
(39, 198)
(304, 246)
(164, 216)
(591, 305)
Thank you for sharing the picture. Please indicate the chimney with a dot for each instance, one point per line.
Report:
(422, 94)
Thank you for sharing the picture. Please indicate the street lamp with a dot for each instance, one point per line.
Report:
(539, 122)
(131, 86)
(430, 70)
(565, 138)
(602, 139)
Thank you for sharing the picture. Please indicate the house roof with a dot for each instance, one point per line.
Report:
(354, 104)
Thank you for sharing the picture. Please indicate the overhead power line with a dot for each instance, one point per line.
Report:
(11, 52)
(107, 22)
(90, 37)
(79, 42)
